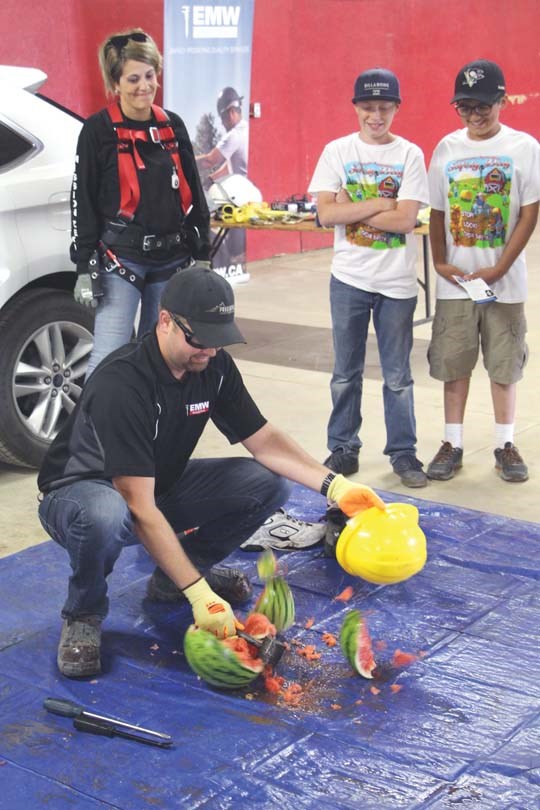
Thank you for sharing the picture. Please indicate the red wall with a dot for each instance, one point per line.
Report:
(306, 56)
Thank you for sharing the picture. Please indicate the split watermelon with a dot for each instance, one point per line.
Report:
(227, 663)
(276, 602)
(356, 644)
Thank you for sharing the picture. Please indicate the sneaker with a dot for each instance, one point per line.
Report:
(445, 464)
(410, 471)
(229, 583)
(283, 532)
(342, 461)
(509, 463)
(79, 647)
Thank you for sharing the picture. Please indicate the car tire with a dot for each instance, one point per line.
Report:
(46, 339)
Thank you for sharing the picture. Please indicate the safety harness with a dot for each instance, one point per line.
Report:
(129, 160)
(120, 231)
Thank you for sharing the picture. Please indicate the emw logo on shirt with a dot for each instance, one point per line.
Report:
(196, 408)
(211, 22)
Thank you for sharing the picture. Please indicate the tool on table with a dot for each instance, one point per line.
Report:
(270, 649)
(67, 708)
(106, 728)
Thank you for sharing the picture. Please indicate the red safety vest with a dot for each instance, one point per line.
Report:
(129, 160)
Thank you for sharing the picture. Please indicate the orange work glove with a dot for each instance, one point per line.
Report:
(352, 498)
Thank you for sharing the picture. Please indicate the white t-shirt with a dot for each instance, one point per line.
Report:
(365, 257)
(234, 147)
(481, 186)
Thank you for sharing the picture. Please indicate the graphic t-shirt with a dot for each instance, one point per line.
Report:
(365, 257)
(481, 186)
(234, 147)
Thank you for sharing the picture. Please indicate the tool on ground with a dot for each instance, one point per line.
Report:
(66, 708)
(270, 649)
(106, 728)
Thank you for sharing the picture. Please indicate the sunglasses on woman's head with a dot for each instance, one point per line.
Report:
(122, 40)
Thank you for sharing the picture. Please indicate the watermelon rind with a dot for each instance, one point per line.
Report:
(356, 644)
(216, 663)
(276, 602)
(267, 565)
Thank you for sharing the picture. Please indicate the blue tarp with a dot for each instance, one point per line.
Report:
(464, 729)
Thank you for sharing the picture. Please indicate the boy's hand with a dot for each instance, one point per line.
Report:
(210, 611)
(487, 274)
(449, 270)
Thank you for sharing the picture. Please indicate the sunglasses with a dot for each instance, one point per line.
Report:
(122, 40)
(188, 334)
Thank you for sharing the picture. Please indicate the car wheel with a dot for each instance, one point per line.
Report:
(46, 339)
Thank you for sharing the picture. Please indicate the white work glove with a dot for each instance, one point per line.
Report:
(83, 293)
(210, 611)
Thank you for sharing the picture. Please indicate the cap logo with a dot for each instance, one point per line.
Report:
(472, 77)
(223, 309)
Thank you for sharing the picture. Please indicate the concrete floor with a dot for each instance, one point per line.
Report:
(284, 314)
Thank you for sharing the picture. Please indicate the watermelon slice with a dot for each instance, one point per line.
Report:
(356, 644)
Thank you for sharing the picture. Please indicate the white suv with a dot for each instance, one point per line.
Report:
(45, 337)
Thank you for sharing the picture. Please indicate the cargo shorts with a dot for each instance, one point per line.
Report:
(460, 327)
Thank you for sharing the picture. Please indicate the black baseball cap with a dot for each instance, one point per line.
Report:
(480, 80)
(206, 300)
(377, 83)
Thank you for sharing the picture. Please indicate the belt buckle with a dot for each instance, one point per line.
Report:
(147, 243)
(154, 134)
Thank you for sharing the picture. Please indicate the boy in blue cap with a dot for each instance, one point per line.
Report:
(370, 185)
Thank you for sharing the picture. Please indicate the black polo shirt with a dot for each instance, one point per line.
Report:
(135, 418)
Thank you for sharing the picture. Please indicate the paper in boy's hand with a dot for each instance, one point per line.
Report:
(476, 289)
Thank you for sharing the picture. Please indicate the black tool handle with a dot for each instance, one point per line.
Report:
(106, 729)
(66, 708)
(250, 639)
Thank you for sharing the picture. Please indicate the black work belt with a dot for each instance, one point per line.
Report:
(111, 264)
(122, 234)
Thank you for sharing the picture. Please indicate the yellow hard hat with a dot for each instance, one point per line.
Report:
(383, 547)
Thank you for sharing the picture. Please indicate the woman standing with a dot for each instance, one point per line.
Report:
(138, 209)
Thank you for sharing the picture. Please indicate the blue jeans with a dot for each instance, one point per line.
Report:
(393, 320)
(228, 499)
(117, 307)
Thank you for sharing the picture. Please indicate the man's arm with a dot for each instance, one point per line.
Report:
(528, 216)
(400, 220)
(332, 212)
(276, 450)
(437, 239)
(155, 531)
(211, 159)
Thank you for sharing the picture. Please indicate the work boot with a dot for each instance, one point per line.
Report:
(335, 523)
(229, 583)
(342, 461)
(445, 463)
(283, 532)
(509, 463)
(79, 647)
(410, 471)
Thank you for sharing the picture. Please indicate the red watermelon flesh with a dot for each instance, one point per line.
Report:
(247, 654)
(259, 626)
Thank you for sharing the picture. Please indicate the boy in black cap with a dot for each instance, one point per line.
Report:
(370, 185)
(484, 186)
(120, 471)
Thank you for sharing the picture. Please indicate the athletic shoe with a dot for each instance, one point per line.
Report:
(509, 463)
(229, 583)
(79, 647)
(342, 461)
(282, 532)
(410, 471)
(446, 463)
